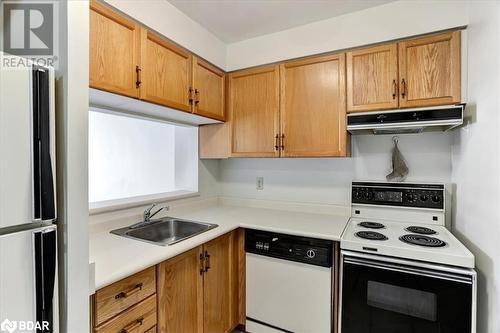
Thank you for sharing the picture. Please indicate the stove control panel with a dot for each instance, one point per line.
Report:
(288, 247)
(399, 194)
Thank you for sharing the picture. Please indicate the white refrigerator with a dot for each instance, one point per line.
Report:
(28, 237)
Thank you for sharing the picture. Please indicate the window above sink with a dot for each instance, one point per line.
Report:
(135, 161)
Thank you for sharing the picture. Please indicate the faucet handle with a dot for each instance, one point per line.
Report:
(147, 211)
(167, 208)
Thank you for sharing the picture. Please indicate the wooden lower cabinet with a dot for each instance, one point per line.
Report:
(198, 290)
(180, 293)
(217, 282)
(140, 318)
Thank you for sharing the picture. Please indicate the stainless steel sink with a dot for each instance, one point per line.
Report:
(165, 231)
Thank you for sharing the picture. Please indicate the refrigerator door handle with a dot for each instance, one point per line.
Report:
(45, 273)
(43, 173)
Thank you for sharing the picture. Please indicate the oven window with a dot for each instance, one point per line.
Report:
(380, 300)
(411, 302)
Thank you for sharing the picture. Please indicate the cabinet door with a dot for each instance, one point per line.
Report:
(180, 293)
(429, 69)
(313, 107)
(217, 285)
(114, 51)
(165, 72)
(372, 78)
(208, 83)
(254, 112)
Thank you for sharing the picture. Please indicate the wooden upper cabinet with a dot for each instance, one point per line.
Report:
(313, 107)
(217, 285)
(180, 293)
(372, 78)
(165, 72)
(429, 70)
(208, 84)
(114, 51)
(254, 112)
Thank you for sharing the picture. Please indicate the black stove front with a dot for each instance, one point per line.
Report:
(385, 297)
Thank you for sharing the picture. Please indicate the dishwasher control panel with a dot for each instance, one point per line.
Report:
(289, 247)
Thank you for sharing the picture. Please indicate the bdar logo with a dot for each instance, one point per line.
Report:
(8, 325)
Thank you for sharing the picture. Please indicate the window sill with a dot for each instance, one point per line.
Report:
(118, 204)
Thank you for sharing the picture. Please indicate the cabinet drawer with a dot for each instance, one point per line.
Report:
(152, 330)
(140, 318)
(123, 294)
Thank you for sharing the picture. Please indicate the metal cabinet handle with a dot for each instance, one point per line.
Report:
(207, 261)
(197, 96)
(282, 142)
(202, 263)
(403, 88)
(138, 76)
(133, 325)
(394, 89)
(190, 96)
(125, 294)
(276, 142)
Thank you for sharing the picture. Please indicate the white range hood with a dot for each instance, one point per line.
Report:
(439, 118)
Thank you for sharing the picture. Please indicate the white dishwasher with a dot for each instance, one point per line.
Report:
(288, 283)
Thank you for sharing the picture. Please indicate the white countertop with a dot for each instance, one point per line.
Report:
(117, 257)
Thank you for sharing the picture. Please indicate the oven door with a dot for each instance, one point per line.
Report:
(397, 296)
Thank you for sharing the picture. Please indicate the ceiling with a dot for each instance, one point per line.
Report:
(236, 20)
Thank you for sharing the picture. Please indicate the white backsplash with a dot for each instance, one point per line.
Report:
(328, 180)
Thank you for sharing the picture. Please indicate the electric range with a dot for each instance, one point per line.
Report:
(402, 269)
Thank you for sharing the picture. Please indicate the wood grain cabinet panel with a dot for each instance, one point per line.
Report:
(430, 70)
(313, 107)
(140, 318)
(208, 83)
(113, 299)
(198, 290)
(217, 282)
(180, 294)
(372, 78)
(254, 112)
(165, 72)
(113, 51)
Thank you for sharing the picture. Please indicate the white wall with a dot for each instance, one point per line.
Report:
(373, 25)
(166, 19)
(328, 180)
(71, 113)
(129, 157)
(475, 161)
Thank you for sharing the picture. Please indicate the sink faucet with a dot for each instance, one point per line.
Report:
(147, 215)
(147, 212)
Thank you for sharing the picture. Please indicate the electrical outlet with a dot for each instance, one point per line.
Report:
(260, 183)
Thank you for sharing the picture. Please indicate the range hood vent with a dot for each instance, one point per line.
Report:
(441, 118)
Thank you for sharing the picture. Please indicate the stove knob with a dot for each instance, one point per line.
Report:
(368, 195)
(357, 195)
(424, 197)
(436, 198)
(311, 254)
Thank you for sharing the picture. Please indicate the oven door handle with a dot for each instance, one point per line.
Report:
(409, 270)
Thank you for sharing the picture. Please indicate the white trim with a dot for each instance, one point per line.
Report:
(123, 203)
(106, 101)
